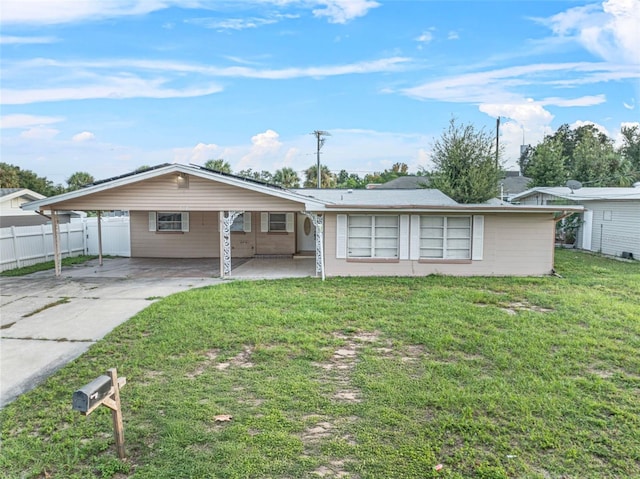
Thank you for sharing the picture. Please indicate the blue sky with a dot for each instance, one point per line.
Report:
(108, 86)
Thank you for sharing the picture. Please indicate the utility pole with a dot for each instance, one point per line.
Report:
(320, 137)
(497, 140)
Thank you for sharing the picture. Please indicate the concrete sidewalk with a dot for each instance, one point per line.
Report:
(47, 322)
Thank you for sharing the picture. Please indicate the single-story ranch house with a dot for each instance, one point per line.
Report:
(187, 211)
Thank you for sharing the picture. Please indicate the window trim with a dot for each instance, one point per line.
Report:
(372, 238)
(154, 222)
(445, 240)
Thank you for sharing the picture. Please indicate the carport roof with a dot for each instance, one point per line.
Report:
(310, 203)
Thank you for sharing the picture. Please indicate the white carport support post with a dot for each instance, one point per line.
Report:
(55, 232)
(226, 220)
(100, 237)
(318, 222)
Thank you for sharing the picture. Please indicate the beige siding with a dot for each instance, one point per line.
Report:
(514, 245)
(258, 243)
(162, 193)
(203, 239)
(616, 227)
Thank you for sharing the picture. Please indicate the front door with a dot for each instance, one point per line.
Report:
(306, 234)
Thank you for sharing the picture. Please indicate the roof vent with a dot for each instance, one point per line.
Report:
(636, 184)
(351, 191)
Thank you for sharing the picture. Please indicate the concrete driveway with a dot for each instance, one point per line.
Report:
(45, 321)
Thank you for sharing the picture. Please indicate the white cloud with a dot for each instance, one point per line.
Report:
(39, 133)
(342, 11)
(84, 136)
(426, 37)
(579, 123)
(588, 100)
(111, 88)
(453, 35)
(166, 79)
(49, 12)
(265, 146)
(14, 40)
(198, 154)
(609, 30)
(631, 105)
(27, 121)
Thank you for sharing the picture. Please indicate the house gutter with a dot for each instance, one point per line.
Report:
(454, 208)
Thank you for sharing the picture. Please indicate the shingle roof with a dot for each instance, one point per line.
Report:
(403, 182)
(380, 197)
(8, 191)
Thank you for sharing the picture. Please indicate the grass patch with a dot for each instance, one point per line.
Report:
(361, 378)
(47, 265)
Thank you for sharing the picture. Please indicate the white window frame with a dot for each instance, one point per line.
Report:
(450, 233)
(378, 236)
(169, 226)
(242, 223)
(266, 222)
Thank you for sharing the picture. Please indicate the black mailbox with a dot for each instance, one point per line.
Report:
(92, 394)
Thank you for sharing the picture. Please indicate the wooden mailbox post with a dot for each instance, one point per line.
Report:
(104, 390)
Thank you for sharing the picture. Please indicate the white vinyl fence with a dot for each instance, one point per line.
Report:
(27, 245)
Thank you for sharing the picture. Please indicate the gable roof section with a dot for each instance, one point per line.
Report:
(11, 193)
(161, 170)
(584, 194)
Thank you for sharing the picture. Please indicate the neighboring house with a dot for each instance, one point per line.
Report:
(610, 223)
(402, 183)
(180, 211)
(513, 184)
(509, 186)
(11, 213)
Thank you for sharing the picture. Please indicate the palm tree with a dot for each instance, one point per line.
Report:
(218, 165)
(327, 179)
(287, 178)
(78, 180)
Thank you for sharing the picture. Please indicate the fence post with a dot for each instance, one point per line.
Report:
(15, 246)
(44, 242)
(85, 236)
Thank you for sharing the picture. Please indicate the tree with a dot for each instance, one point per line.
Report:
(9, 177)
(12, 176)
(465, 166)
(350, 180)
(597, 164)
(287, 178)
(570, 138)
(218, 165)
(263, 175)
(630, 148)
(327, 179)
(78, 180)
(547, 164)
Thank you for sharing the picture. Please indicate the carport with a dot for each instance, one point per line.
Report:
(189, 212)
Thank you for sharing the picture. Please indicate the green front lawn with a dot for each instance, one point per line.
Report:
(360, 378)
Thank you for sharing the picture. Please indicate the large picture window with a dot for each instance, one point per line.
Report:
(445, 237)
(373, 236)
